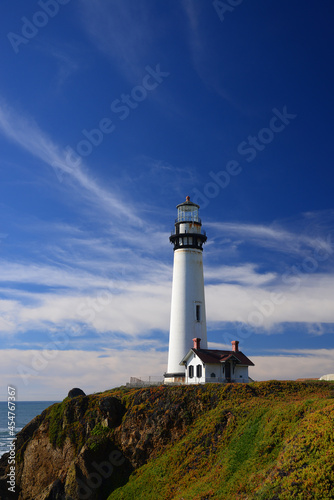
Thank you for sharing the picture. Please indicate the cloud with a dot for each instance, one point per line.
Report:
(24, 132)
(78, 266)
(72, 296)
(244, 274)
(123, 31)
(48, 275)
(277, 238)
(200, 47)
(134, 310)
(87, 281)
(304, 364)
(35, 373)
(8, 309)
(67, 64)
(137, 307)
(68, 57)
(159, 174)
(308, 299)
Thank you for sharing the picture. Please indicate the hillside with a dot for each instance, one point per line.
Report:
(268, 440)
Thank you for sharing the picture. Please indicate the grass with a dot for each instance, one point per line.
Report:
(265, 441)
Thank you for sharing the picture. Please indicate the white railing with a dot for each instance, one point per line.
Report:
(139, 382)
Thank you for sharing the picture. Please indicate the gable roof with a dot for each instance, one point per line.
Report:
(214, 356)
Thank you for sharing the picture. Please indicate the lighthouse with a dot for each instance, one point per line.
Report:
(188, 319)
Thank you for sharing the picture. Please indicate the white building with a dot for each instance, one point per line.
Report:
(197, 364)
(188, 319)
(211, 365)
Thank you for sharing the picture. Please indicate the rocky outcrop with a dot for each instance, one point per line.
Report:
(86, 447)
(68, 452)
(73, 393)
(155, 419)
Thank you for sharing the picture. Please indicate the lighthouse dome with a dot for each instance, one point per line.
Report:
(187, 211)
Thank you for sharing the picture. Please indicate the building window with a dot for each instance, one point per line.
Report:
(191, 371)
(199, 371)
(212, 375)
(198, 312)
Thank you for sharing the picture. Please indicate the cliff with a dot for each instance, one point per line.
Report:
(270, 440)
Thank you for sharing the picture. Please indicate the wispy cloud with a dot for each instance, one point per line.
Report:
(199, 43)
(123, 31)
(246, 274)
(68, 65)
(24, 132)
(160, 174)
(276, 237)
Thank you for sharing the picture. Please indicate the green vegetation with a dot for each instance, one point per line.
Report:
(56, 433)
(75, 419)
(269, 441)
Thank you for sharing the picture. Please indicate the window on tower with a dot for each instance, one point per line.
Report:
(198, 312)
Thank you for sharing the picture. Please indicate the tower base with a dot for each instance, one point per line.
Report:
(174, 378)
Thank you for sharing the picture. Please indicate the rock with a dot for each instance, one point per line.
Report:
(59, 452)
(86, 447)
(54, 491)
(73, 393)
(112, 410)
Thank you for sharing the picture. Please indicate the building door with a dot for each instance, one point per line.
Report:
(228, 371)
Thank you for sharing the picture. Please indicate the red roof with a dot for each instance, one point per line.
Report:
(215, 356)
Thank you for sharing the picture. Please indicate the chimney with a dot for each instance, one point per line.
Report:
(235, 344)
(197, 343)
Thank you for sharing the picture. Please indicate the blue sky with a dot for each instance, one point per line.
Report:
(111, 113)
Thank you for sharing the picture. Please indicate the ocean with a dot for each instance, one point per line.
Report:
(24, 412)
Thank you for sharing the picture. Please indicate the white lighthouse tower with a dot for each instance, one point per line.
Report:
(188, 319)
